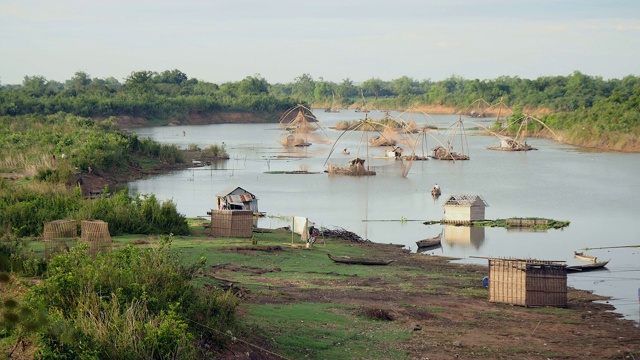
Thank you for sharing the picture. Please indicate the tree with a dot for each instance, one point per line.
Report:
(253, 85)
(372, 86)
(78, 82)
(403, 86)
(303, 87)
(140, 82)
(175, 77)
(280, 90)
(322, 90)
(346, 89)
(34, 85)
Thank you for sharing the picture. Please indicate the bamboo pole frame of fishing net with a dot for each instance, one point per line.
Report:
(96, 234)
(59, 236)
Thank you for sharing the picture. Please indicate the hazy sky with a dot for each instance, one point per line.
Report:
(227, 40)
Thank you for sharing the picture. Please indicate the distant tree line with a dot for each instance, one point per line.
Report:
(172, 93)
(594, 103)
(169, 94)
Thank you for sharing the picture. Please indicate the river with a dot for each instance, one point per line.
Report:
(598, 192)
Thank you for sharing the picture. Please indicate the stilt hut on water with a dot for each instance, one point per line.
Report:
(528, 282)
(236, 198)
(463, 209)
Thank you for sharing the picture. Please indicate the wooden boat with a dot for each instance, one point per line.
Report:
(359, 261)
(429, 242)
(584, 257)
(587, 267)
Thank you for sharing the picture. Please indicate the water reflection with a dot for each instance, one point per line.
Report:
(465, 236)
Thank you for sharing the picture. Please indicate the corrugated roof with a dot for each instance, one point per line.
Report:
(464, 200)
(231, 189)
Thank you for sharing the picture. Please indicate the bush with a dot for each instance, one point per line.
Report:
(24, 210)
(130, 304)
(215, 151)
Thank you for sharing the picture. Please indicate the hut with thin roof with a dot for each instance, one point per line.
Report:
(233, 216)
(236, 198)
(463, 209)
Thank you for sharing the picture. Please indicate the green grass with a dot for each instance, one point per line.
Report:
(310, 330)
(304, 330)
(326, 331)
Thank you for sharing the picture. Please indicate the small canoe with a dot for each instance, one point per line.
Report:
(587, 267)
(426, 249)
(584, 257)
(359, 261)
(429, 242)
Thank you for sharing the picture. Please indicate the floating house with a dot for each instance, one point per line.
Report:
(528, 282)
(236, 198)
(463, 209)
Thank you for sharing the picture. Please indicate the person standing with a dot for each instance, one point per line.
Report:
(313, 232)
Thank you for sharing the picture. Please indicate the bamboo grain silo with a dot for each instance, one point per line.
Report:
(96, 234)
(528, 282)
(59, 236)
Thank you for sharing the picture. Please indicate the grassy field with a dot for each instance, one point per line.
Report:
(297, 303)
(307, 329)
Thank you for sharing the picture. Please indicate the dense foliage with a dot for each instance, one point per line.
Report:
(24, 208)
(30, 141)
(128, 304)
(589, 110)
(557, 93)
(166, 95)
(28, 144)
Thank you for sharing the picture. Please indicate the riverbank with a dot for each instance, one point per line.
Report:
(297, 303)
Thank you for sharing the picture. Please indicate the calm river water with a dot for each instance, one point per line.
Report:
(598, 192)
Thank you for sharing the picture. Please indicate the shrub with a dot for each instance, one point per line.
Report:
(133, 303)
(215, 151)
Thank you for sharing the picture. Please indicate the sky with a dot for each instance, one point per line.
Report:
(279, 40)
